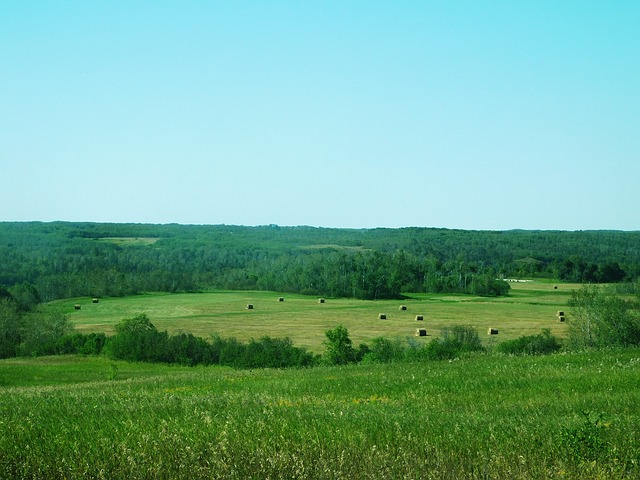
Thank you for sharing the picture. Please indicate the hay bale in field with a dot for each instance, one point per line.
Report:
(561, 318)
(77, 306)
(281, 299)
(249, 306)
(95, 300)
(419, 318)
(421, 332)
(403, 307)
(555, 287)
(492, 331)
(560, 313)
(321, 300)
(382, 316)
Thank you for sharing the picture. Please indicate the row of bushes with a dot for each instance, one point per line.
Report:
(454, 342)
(39, 332)
(75, 344)
(137, 339)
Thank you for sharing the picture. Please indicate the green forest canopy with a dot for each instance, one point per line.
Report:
(64, 259)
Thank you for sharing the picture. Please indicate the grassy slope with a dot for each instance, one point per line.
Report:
(483, 417)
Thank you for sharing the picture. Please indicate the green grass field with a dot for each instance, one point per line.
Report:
(529, 308)
(561, 416)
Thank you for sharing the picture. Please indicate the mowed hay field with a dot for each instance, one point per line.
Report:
(530, 307)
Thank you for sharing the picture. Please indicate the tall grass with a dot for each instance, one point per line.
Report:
(479, 417)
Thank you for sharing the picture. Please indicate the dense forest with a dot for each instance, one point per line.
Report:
(46, 261)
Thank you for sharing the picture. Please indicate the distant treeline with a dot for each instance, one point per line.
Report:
(47, 261)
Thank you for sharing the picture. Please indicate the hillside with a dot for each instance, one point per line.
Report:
(571, 416)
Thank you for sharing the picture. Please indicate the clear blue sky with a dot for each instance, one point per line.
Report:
(456, 114)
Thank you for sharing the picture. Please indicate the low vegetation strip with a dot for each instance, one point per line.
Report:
(570, 415)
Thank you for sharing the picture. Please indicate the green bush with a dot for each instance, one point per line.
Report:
(541, 344)
(187, 349)
(80, 343)
(601, 320)
(264, 353)
(454, 342)
(40, 331)
(339, 348)
(274, 353)
(383, 350)
(138, 340)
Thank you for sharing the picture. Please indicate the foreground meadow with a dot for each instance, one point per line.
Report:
(528, 308)
(561, 416)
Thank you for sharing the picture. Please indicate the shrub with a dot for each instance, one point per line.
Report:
(339, 348)
(231, 352)
(463, 336)
(187, 349)
(601, 320)
(40, 332)
(138, 340)
(454, 341)
(80, 343)
(540, 344)
(383, 350)
(275, 353)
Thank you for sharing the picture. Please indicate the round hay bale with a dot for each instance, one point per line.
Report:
(382, 316)
(419, 318)
(403, 307)
(560, 313)
(561, 318)
(492, 331)
(281, 299)
(321, 300)
(77, 306)
(421, 332)
(95, 300)
(555, 287)
(249, 306)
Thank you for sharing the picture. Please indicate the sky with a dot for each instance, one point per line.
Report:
(477, 115)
